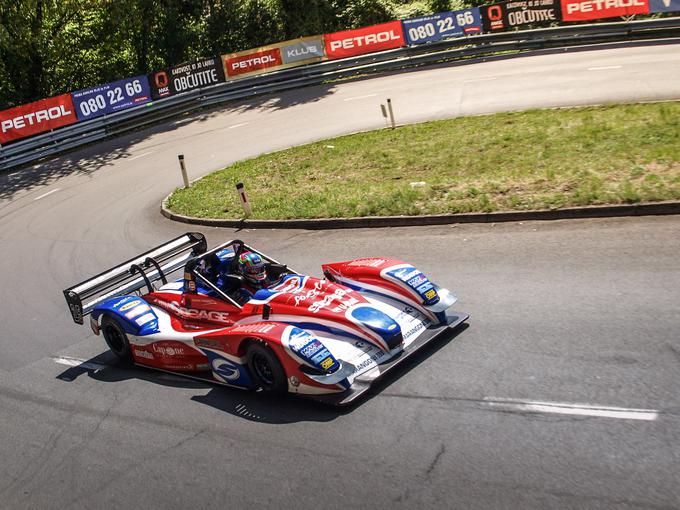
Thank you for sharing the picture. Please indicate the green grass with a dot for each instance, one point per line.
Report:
(512, 161)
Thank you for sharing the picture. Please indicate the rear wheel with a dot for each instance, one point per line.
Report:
(116, 338)
(266, 370)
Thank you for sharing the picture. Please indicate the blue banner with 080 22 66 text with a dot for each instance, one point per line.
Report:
(112, 97)
(442, 26)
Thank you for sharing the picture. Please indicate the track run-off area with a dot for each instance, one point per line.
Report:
(564, 391)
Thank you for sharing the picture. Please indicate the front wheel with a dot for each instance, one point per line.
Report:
(116, 338)
(266, 370)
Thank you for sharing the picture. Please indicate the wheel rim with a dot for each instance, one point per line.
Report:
(263, 369)
(114, 338)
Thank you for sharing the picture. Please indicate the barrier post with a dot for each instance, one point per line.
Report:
(389, 108)
(183, 168)
(247, 211)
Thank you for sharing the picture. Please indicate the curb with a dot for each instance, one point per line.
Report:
(596, 211)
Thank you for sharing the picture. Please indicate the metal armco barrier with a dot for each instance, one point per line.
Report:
(87, 132)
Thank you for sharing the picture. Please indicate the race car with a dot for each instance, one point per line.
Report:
(329, 338)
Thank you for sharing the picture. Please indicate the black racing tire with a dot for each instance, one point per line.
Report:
(266, 369)
(116, 338)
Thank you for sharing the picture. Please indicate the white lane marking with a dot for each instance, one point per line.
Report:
(603, 68)
(237, 125)
(46, 194)
(359, 97)
(140, 156)
(472, 80)
(624, 413)
(75, 362)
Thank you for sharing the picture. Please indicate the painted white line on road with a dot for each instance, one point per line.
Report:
(524, 406)
(473, 80)
(46, 194)
(237, 125)
(359, 97)
(75, 362)
(603, 68)
(140, 156)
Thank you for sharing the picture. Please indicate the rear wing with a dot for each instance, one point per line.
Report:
(138, 272)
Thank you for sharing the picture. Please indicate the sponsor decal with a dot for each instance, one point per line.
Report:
(202, 366)
(226, 369)
(575, 10)
(664, 5)
(186, 77)
(338, 294)
(143, 354)
(302, 50)
(145, 319)
(112, 97)
(138, 310)
(211, 343)
(164, 350)
(193, 314)
(414, 282)
(254, 328)
(372, 360)
(430, 294)
(349, 43)
(129, 305)
(292, 284)
(327, 363)
(367, 262)
(415, 329)
(253, 61)
(38, 117)
(294, 381)
(506, 15)
(442, 25)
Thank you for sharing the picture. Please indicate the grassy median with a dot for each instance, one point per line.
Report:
(512, 161)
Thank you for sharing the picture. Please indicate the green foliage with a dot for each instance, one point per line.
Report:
(50, 47)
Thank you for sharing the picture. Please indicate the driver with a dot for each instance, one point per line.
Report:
(254, 271)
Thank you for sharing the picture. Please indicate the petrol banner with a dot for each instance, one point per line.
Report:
(282, 55)
(112, 97)
(33, 118)
(349, 43)
(664, 5)
(579, 10)
(442, 26)
(517, 14)
(186, 77)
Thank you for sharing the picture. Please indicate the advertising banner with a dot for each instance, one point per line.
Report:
(579, 10)
(282, 55)
(186, 77)
(442, 26)
(517, 14)
(112, 97)
(31, 119)
(349, 43)
(664, 5)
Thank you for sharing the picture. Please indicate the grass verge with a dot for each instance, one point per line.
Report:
(511, 161)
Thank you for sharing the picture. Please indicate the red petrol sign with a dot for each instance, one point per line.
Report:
(349, 43)
(252, 61)
(33, 118)
(578, 10)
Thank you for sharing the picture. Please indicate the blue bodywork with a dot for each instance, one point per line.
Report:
(134, 314)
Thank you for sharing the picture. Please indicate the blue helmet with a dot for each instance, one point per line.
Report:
(252, 267)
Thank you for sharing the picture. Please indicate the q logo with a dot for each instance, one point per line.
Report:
(495, 13)
(161, 79)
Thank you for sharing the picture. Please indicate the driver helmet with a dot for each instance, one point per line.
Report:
(252, 267)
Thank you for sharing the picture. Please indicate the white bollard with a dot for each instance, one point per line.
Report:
(389, 108)
(247, 211)
(183, 168)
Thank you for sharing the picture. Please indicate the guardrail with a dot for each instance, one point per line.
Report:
(86, 132)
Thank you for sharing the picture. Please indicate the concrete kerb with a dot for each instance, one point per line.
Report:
(596, 211)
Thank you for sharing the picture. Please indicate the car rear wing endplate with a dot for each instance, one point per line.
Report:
(134, 274)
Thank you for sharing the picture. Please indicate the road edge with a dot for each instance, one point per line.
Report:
(593, 211)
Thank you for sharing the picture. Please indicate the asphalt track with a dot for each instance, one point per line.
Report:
(564, 392)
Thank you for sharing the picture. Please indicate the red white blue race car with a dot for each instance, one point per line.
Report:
(328, 338)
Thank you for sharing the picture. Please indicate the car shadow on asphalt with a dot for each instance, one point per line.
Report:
(248, 405)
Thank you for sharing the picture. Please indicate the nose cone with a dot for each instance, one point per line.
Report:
(379, 323)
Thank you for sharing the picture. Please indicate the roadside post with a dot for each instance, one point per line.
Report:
(247, 211)
(389, 108)
(183, 168)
